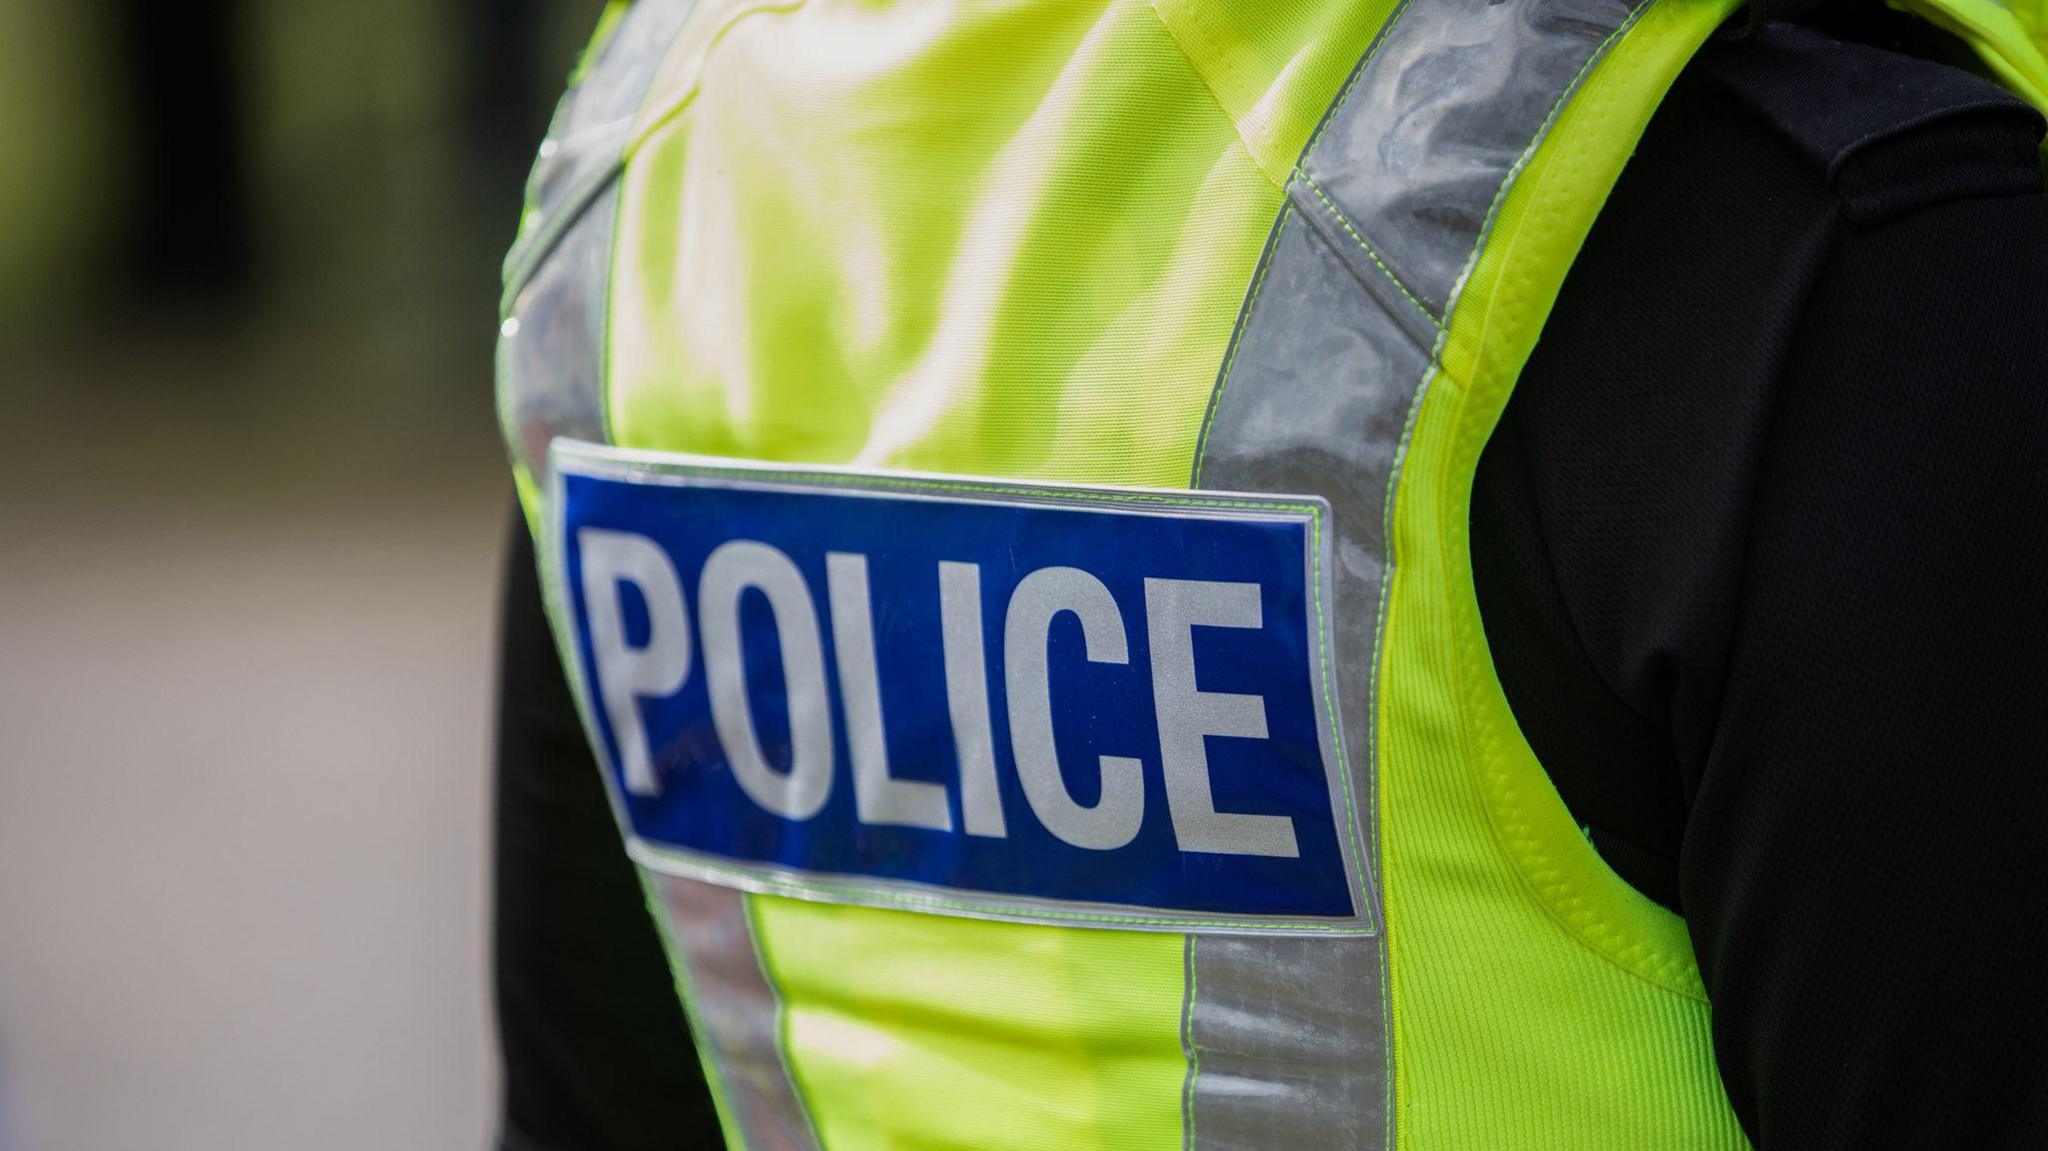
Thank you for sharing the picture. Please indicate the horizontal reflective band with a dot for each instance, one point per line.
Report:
(1076, 705)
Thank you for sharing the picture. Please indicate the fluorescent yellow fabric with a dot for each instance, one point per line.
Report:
(1274, 68)
(1012, 239)
(2010, 36)
(607, 23)
(925, 1031)
(1005, 239)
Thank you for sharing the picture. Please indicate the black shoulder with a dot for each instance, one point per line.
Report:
(1891, 132)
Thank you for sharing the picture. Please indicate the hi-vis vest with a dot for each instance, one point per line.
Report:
(1002, 473)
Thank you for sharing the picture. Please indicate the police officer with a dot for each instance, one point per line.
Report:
(1188, 574)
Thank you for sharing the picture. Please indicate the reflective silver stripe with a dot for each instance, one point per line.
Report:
(550, 361)
(1316, 400)
(1288, 1039)
(551, 384)
(1410, 167)
(1287, 1043)
(587, 138)
(735, 1012)
(551, 343)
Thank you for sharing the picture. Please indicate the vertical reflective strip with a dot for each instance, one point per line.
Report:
(1287, 1043)
(1291, 1033)
(1412, 165)
(551, 365)
(1289, 1040)
(551, 345)
(735, 1012)
(585, 141)
(550, 348)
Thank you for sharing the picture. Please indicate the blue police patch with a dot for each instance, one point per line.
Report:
(1049, 703)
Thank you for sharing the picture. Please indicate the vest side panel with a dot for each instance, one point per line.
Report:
(1539, 1000)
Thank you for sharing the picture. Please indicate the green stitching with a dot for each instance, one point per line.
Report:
(1324, 660)
(1507, 181)
(1237, 340)
(1344, 222)
(1592, 931)
(1244, 314)
(651, 855)
(1435, 363)
(1330, 115)
(1187, 1105)
(554, 227)
(1325, 653)
(1266, 256)
(1457, 292)
(886, 483)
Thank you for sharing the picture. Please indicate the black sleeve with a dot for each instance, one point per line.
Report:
(595, 1050)
(1865, 860)
(1762, 548)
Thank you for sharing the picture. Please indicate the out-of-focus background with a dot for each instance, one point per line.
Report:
(249, 540)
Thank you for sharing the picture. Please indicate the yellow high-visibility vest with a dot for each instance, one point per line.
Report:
(1161, 282)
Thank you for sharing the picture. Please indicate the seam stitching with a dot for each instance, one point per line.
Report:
(1194, 1052)
(1202, 78)
(869, 483)
(1266, 260)
(1593, 930)
(1344, 222)
(750, 909)
(653, 856)
(649, 124)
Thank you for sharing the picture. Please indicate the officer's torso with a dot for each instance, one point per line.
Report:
(1013, 567)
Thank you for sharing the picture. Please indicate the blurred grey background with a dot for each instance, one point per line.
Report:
(249, 540)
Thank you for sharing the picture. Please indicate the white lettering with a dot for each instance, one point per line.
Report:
(626, 675)
(729, 573)
(981, 804)
(1187, 716)
(1042, 595)
(877, 796)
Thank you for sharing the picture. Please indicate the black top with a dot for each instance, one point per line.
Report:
(1760, 548)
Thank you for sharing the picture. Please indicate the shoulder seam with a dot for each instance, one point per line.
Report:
(1990, 106)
